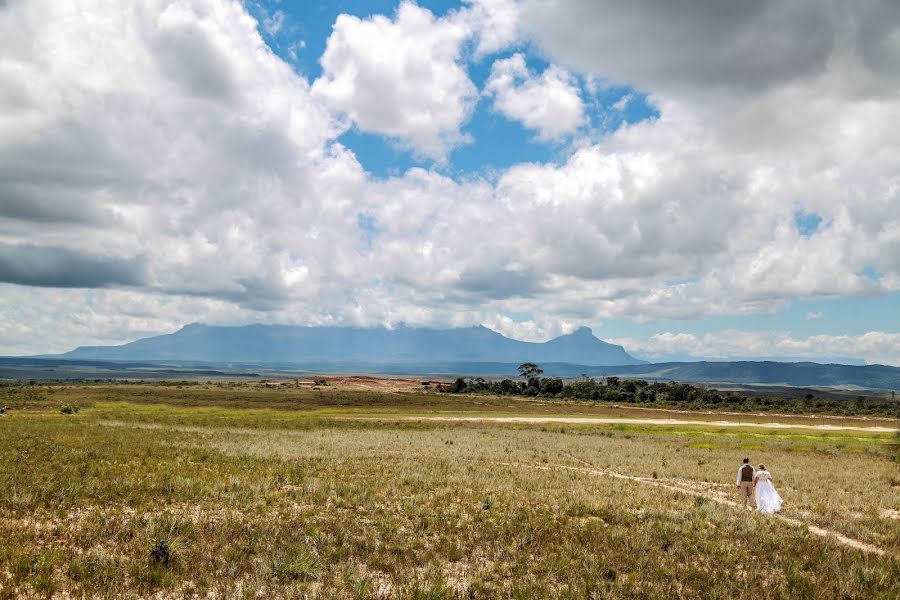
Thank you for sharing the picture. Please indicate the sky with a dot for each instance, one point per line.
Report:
(690, 180)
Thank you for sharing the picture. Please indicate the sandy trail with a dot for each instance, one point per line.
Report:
(696, 489)
(638, 421)
(869, 418)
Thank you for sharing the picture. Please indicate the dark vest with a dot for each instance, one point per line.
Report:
(746, 473)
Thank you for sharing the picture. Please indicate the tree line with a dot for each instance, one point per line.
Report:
(666, 394)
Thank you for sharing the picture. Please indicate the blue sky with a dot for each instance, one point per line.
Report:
(498, 143)
(443, 164)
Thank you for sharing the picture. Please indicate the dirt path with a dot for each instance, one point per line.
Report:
(770, 415)
(697, 489)
(639, 421)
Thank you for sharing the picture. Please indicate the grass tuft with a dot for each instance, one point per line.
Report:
(295, 565)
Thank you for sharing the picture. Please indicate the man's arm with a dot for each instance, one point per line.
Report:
(738, 480)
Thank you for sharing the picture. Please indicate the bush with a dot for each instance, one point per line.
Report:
(582, 390)
(163, 550)
(167, 540)
(551, 385)
(672, 394)
(459, 386)
(507, 387)
(68, 409)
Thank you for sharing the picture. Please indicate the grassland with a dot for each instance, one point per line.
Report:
(239, 491)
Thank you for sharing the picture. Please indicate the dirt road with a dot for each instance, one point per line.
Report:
(639, 421)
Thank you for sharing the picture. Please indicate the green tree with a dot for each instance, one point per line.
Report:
(459, 386)
(477, 384)
(529, 371)
(508, 387)
(551, 386)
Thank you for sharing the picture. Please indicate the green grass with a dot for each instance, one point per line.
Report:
(141, 495)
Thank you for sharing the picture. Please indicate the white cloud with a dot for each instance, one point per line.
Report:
(529, 330)
(274, 22)
(169, 147)
(495, 24)
(622, 103)
(876, 347)
(180, 137)
(811, 316)
(400, 77)
(786, 123)
(549, 104)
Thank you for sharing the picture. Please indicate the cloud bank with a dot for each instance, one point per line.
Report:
(163, 150)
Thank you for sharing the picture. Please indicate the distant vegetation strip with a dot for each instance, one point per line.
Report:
(668, 394)
(880, 377)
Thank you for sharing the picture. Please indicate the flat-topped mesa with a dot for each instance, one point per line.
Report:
(378, 345)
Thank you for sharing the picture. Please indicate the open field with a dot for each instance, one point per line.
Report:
(234, 490)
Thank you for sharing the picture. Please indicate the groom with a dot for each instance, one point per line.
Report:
(745, 476)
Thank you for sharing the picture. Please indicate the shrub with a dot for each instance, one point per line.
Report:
(167, 539)
(551, 385)
(163, 550)
(459, 386)
(68, 409)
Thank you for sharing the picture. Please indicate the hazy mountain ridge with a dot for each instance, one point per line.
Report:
(403, 345)
(229, 351)
(763, 372)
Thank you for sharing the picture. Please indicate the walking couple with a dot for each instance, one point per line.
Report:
(756, 487)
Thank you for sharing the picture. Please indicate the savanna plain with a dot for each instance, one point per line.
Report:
(235, 490)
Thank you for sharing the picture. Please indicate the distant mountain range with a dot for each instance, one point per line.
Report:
(254, 351)
(759, 372)
(292, 345)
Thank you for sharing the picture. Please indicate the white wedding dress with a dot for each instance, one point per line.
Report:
(767, 498)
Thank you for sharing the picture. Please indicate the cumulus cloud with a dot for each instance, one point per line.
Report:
(495, 24)
(46, 320)
(529, 330)
(400, 77)
(166, 141)
(549, 103)
(875, 346)
(159, 131)
(796, 98)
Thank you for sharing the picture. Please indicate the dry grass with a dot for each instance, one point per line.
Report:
(198, 501)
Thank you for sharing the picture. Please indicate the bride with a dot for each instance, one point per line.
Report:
(767, 499)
